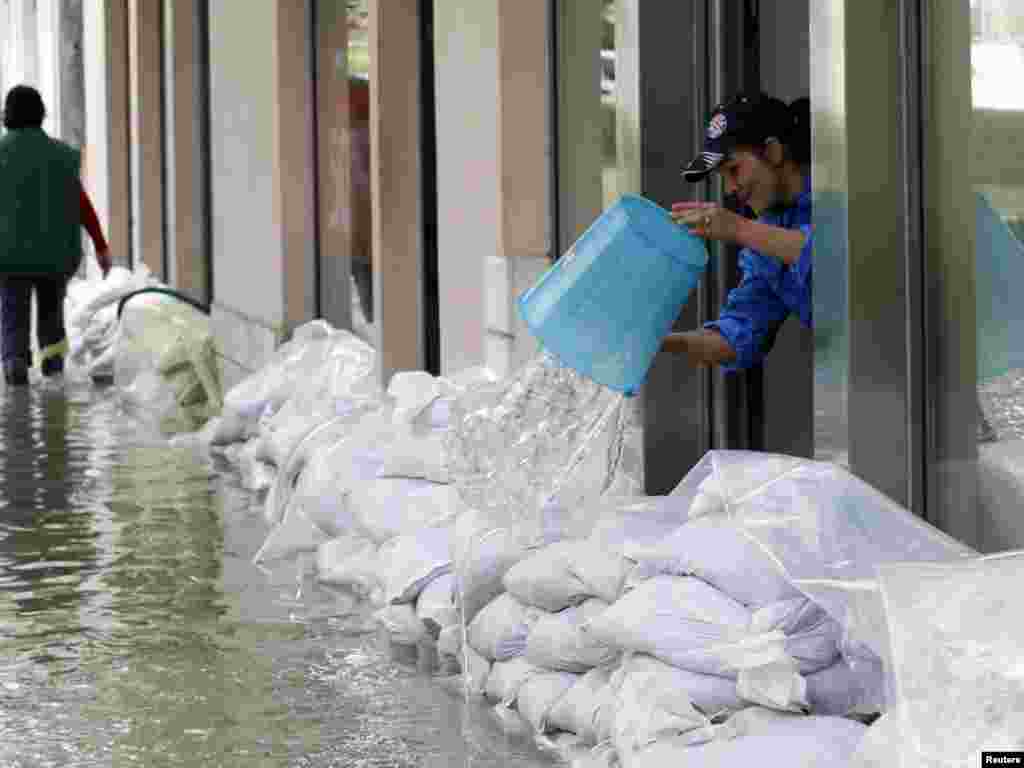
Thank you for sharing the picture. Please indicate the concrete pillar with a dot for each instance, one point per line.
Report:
(338, 211)
(105, 157)
(579, 94)
(525, 239)
(466, 76)
(294, 174)
(71, 72)
(396, 184)
(47, 31)
(147, 140)
(188, 204)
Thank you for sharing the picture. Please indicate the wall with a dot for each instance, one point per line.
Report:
(247, 245)
(466, 77)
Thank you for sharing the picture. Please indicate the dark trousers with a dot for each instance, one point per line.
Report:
(16, 314)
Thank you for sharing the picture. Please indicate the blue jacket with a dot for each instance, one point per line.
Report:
(769, 290)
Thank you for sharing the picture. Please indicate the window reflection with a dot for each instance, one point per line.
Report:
(997, 71)
(359, 115)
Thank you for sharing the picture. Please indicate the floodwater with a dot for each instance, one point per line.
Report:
(135, 630)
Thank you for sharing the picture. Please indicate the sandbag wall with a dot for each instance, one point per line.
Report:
(723, 620)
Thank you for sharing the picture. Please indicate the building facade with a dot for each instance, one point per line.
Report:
(407, 167)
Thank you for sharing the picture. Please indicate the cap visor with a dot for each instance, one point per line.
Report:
(702, 165)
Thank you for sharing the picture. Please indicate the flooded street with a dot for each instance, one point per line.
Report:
(135, 630)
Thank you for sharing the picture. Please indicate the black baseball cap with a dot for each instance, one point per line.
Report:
(745, 120)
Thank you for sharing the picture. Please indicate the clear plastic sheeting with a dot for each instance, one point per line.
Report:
(823, 528)
(316, 362)
(958, 653)
(90, 309)
(165, 362)
(547, 432)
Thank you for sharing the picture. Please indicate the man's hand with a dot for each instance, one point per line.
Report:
(709, 220)
(702, 347)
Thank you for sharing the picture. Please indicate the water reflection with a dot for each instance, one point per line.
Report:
(134, 629)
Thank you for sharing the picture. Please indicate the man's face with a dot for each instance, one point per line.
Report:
(747, 175)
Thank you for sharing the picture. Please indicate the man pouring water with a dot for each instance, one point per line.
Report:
(761, 148)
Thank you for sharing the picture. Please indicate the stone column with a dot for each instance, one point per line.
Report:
(187, 155)
(294, 187)
(525, 238)
(396, 185)
(71, 73)
(147, 140)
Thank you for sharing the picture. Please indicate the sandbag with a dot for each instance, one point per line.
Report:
(675, 619)
(351, 561)
(384, 509)
(499, 631)
(649, 707)
(411, 561)
(812, 636)
(848, 686)
(436, 606)
(555, 641)
(418, 456)
(720, 553)
(792, 742)
(507, 677)
(578, 709)
(566, 573)
(628, 523)
(401, 624)
(540, 693)
(711, 694)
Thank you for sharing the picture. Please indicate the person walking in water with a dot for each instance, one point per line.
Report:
(761, 148)
(43, 207)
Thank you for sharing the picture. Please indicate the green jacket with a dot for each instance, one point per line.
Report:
(40, 205)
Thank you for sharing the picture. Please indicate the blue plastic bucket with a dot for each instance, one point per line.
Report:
(604, 308)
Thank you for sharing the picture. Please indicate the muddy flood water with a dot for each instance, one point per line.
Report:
(135, 630)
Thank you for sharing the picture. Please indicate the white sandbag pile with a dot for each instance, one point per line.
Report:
(738, 618)
(91, 311)
(166, 366)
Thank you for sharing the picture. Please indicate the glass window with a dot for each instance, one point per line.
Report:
(990, 35)
(588, 155)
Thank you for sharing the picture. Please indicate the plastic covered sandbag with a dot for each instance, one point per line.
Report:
(385, 508)
(401, 624)
(336, 376)
(622, 524)
(435, 605)
(267, 389)
(330, 460)
(499, 631)
(566, 573)
(721, 553)
(527, 456)
(411, 561)
(845, 688)
(680, 620)
(648, 707)
(165, 362)
(958, 655)
(91, 311)
(539, 694)
(555, 641)
(826, 528)
(507, 677)
(351, 561)
(711, 694)
(578, 709)
(786, 742)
